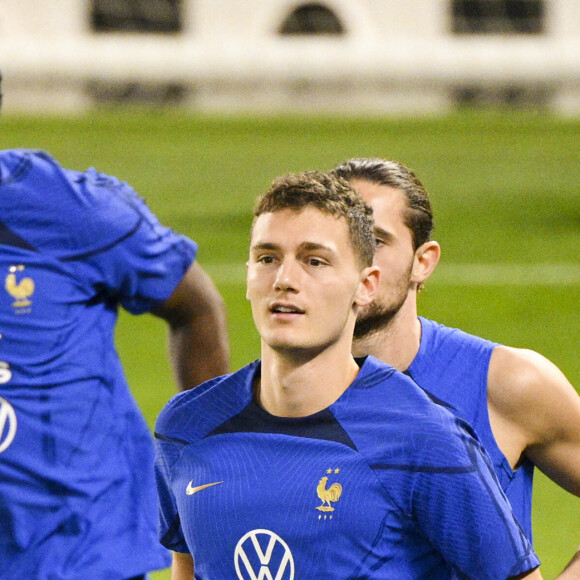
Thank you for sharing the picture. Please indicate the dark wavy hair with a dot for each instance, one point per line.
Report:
(418, 215)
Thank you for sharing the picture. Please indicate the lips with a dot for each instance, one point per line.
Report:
(278, 308)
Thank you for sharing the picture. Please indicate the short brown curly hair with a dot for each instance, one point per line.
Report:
(329, 194)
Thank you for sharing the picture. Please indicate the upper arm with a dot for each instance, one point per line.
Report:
(194, 295)
(533, 404)
(198, 335)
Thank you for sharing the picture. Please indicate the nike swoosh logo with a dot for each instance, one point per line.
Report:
(191, 490)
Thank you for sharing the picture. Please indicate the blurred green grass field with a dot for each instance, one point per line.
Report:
(505, 189)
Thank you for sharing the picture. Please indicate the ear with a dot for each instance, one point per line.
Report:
(368, 286)
(426, 259)
(247, 289)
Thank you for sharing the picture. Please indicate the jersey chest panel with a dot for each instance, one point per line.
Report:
(251, 502)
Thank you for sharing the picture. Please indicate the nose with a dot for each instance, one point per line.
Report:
(286, 277)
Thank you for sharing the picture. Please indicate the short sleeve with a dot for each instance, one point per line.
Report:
(466, 516)
(167, 452)
(144, 269)
(96, 223)
(142, 261)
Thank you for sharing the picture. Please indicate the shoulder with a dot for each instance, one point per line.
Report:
(438, 335)
(517, 375)
(523, 383)
(449, 357)
(64, 212)
(373, 371)
(14, 157)
(389, 406)
(387, 384)
(18, 165)
(398, 388)
(191, 415)
(11, 158)
(49, 185)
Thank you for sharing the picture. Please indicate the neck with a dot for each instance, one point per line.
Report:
(398, 342)
(298, 386)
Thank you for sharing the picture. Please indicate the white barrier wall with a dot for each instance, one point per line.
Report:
(397, 56)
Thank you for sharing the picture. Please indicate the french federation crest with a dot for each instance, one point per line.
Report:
(328, 495)
(19, 287)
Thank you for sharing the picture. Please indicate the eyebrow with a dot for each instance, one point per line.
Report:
(313, 246)
(308, 246)
(383, 234)
(264, 246)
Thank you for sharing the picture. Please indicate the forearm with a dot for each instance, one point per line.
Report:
(182, 567)
(572, 570)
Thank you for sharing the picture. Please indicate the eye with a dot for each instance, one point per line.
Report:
(379, 242)
(265, 259)
(316, 262)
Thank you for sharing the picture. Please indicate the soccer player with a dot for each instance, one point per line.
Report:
(522, 407)
(77, 490)
(308, 463)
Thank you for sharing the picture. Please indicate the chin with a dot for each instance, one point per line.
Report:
(280, 343)
(293, 348)
(373, 320)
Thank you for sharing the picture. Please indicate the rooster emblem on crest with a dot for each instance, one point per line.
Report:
(20, 290)
(328, 496)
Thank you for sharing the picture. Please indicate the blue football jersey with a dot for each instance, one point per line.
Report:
(453, 366)
(382, 484)
(77, 493)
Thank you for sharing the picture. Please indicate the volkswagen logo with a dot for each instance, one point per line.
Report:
(263, 555)
(7, 424)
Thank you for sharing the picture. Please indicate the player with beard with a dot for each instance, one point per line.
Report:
(523, 408)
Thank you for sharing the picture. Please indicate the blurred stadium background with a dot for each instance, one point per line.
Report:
(200, 103)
